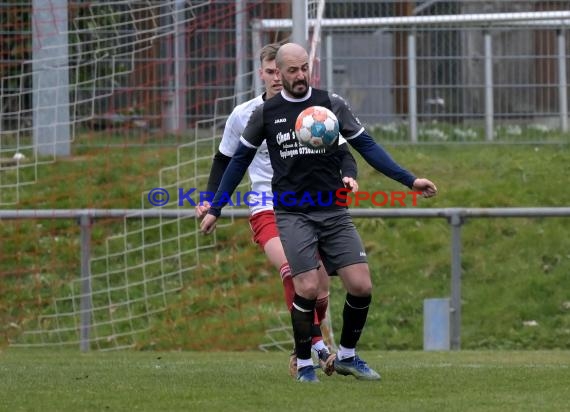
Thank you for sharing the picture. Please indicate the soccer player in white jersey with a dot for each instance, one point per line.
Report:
(262, 218)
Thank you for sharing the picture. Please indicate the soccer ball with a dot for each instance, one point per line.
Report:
(316, 127)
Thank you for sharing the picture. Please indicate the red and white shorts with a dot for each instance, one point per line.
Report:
(264, 227)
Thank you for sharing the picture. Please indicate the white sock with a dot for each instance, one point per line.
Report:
(301, 363)
(344, 353)
(320, 345)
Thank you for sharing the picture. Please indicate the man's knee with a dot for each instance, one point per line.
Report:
(361, 289)
(307, 284)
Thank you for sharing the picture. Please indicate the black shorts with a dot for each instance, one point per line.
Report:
(328, 234)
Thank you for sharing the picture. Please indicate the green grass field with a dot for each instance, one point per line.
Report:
(39, 380)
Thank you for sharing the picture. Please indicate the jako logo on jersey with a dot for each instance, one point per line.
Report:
(282, 120)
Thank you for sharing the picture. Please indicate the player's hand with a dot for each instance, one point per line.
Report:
(208, 224)
(425, 186)
(202, 209)
(350, 183)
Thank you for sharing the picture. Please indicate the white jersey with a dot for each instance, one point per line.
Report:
(260, 170)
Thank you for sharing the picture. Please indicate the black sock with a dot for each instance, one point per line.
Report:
(354, 317)
(302, 320)
(316, 331)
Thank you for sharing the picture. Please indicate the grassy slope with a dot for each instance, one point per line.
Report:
(515, 270)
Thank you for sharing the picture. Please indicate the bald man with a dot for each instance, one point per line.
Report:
(312, 229)
(262, 218)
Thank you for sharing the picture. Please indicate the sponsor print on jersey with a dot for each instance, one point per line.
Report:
(290, 147)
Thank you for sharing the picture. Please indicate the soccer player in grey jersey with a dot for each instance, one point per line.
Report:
(308, 226)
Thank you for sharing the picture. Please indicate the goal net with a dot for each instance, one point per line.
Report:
(147, 101)
(66, 65)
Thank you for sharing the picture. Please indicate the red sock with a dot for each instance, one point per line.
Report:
(320, 313)
(288, 286)
(321, 308)
(317, 335)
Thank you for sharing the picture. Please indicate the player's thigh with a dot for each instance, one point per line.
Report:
(266, 235)
(263, 226)
(299, 239)
(356, 279)
(340, 244)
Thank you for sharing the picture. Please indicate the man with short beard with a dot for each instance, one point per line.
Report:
(311, 230)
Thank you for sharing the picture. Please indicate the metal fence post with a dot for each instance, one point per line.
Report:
(50, 74)
(241, 51)
(175, 103)
(562, 84)
(300, 29)
(85, 301)
(455, 325)
(256, 44)
(489, 109)
(412, 86)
